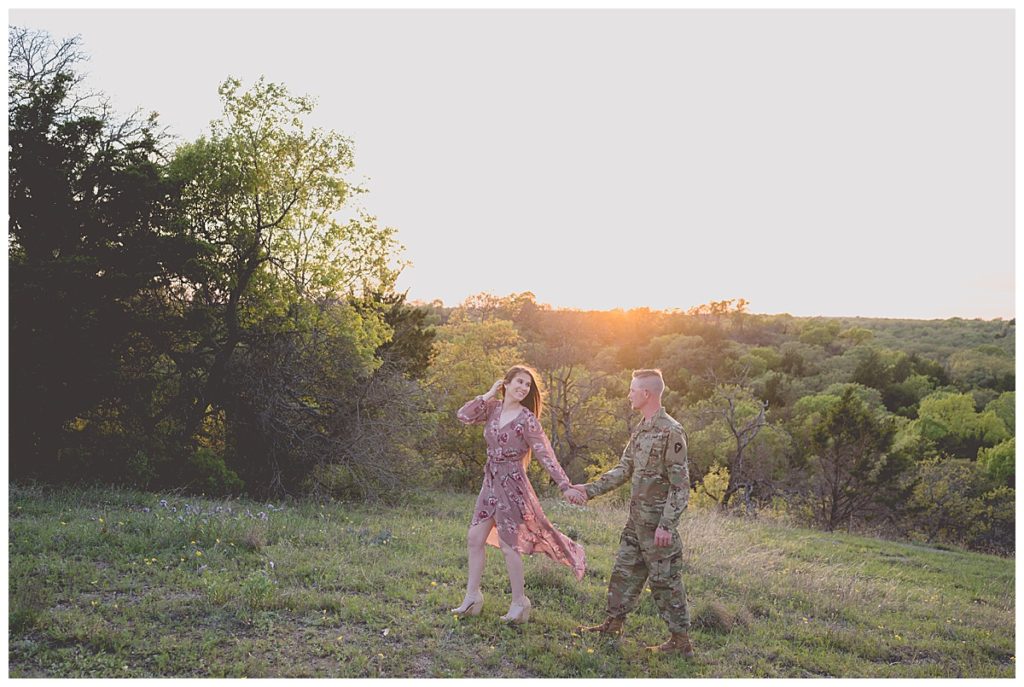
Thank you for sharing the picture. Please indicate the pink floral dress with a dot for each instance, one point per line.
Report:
(507, 495)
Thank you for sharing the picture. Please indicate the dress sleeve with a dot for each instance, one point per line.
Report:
(477, 411)
(678, 473)
(541, 447)
(615, 477)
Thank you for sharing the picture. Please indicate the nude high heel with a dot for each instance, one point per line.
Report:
(474, 607)
(518, 613)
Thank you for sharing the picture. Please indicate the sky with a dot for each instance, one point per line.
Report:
(815, 162)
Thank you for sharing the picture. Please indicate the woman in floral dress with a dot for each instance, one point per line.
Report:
(507, 513)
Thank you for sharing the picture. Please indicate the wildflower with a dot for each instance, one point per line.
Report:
(589, 650)
(433, 584)
(101, 520)
(341, 638)
(199, 553)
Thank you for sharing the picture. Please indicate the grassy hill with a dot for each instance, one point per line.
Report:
(129, 584)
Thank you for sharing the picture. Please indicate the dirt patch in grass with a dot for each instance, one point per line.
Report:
(913, 655)
(715, 616)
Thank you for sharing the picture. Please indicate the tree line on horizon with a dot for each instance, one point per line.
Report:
(194, 315)
(903, 428)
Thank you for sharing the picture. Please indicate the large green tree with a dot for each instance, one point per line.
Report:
(851, 469)
(296, 298)
(261, 191)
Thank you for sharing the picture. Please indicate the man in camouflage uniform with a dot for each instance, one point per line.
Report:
(649, 548)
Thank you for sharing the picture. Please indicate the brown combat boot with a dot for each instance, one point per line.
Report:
(678, 643)
(610, 627)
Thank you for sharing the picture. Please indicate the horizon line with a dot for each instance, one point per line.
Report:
(680, 311)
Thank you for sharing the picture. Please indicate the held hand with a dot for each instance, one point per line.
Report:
(662, 537)
(575, 496)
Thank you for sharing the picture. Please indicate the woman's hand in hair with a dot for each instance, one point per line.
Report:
(494, 390)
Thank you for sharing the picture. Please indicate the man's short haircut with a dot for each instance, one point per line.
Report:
(652, 379)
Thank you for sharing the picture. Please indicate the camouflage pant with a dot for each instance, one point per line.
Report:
(637, 561)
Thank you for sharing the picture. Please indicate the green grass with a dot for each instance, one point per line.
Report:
(350, 590)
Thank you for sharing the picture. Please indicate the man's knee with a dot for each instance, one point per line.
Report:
(628, 562)
(666, 572)
(624, 592)
(629, 554)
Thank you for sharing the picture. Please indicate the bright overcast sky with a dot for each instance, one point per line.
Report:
(813, 162)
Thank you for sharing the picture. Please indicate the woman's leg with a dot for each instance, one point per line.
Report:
(476, 543)
(519, 609)
(514, 563)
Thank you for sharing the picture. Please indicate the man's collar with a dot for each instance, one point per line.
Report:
(645, 423)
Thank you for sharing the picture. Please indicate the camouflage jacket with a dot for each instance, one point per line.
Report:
(655, 461)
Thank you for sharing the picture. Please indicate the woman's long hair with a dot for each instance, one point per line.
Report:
(534, 401)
